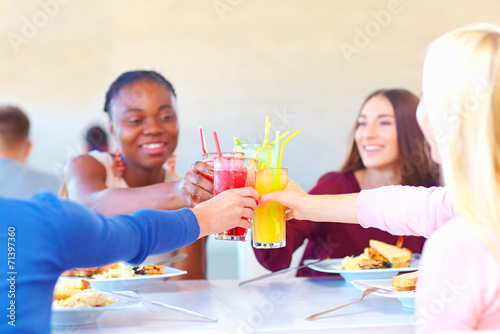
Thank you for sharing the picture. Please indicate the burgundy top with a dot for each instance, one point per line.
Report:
(327, 239)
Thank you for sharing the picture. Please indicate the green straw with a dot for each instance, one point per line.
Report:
(276, 178)
(281, 137)
(276, 151)
(276, 182)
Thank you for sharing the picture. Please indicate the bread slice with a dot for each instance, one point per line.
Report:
(405, 282)
(373, 254)
(397, 256)
(401, 264)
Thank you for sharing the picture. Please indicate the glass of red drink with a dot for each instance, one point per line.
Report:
(208, 158)
(230, 173)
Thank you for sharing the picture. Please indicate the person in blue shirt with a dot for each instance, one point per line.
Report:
(44, 236)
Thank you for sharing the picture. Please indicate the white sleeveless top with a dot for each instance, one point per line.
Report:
(106, 159)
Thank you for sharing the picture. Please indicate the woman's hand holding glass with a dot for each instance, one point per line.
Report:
(342, 208)
(291, 198)
(197, 185)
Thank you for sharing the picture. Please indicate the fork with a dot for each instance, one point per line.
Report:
(365, 294)
(279, 272)
(172, 307)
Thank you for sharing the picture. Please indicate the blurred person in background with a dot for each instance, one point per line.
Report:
(387, 148)
(96, 139)
(17, 180)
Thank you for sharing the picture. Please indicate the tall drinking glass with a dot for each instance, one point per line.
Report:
(208, 158)
(269, 225)
(230, 173)
(250, 150)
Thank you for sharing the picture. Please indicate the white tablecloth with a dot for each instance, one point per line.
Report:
(273, 305)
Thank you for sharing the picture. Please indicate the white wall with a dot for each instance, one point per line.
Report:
(231, 66)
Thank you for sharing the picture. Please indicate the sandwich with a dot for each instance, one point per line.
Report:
(378, 256)
(405, 282)
(398, 257)
(78, 294)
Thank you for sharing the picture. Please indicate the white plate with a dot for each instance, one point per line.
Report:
(333, 266)
(126, 283)
(407, 298)
(89, 315)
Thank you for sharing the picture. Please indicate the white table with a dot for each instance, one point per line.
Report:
(273, 305)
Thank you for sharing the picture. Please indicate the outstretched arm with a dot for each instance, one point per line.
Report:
(400, 210)
(132, 237)
(85, 183)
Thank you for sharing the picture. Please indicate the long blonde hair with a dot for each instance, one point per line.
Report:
(462, 94)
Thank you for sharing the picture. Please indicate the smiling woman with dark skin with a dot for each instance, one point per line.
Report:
(143, 121)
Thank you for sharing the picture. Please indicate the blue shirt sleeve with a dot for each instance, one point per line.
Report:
(91, 239)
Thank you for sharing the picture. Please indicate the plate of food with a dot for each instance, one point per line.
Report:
(120, 276)
(401, 287)
(76, 304)
(379, 261)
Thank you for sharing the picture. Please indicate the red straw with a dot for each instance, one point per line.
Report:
(203, 147)
(219, 152)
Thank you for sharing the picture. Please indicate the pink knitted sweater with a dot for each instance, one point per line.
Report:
(459, 281)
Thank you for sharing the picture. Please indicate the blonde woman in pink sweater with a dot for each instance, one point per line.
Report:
(459, 113)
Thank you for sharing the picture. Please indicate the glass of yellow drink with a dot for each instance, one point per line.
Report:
(269, 224)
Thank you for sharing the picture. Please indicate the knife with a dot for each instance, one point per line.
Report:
(279, 272)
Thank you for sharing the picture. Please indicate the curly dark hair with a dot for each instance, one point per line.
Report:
(131, 77)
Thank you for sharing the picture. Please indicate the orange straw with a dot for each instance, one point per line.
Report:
(203, 146)
(219, 152)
